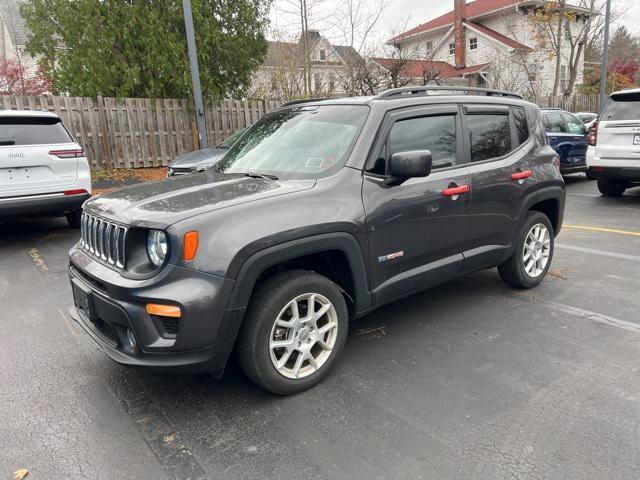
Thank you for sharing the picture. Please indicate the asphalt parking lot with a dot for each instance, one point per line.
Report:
(472, 379)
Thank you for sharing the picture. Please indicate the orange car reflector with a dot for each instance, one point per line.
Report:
(190, 245)
(163, 310)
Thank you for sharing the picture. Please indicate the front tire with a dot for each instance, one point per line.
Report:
(295, 328)
(529, 263)
(611, 188)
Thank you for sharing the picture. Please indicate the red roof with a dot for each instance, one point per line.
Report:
(498, 36)
(474, 9)
(416, 68)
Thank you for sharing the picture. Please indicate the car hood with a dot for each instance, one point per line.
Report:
(162, 203)
(199, 158)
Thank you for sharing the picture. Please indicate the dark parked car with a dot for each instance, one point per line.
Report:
(568, 137)
(319, 214)
(202, 159)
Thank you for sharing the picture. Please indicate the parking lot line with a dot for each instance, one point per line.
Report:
(602, 230)
(605, 253)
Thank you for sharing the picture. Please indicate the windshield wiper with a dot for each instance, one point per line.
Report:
(260, 175)
(7, 142)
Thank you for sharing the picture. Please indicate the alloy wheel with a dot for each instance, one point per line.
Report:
(303, 336)
(536, 250)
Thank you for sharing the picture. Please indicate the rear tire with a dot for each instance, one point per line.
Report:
(611, 188)
(530, 261)
(73, 218)
(279, 315)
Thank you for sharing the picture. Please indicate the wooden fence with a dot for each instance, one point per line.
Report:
(140, 132)
(573, 103)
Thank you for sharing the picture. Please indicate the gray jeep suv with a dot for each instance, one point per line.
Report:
(321, 213)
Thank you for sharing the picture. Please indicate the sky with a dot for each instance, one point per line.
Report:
(398, 14)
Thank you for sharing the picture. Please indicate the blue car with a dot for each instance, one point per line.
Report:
(568, 137)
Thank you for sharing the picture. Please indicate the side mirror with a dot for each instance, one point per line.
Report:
(412, 164)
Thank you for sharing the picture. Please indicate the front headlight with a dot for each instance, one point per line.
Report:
(157, 246)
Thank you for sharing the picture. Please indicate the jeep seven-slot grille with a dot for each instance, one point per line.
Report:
(103, 240)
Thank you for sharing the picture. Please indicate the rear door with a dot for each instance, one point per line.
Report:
(577, 136)
(498, 145)
(35, 156)
(619, 128)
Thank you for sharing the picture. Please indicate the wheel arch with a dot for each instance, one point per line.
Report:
(335, 255)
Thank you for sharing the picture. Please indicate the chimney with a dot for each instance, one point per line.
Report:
(460, 16)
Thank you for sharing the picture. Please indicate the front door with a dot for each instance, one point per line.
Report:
(417, 228)
(499, 146)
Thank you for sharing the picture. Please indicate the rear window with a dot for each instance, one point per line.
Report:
(622, 108)
(490, 136)
(32, 131)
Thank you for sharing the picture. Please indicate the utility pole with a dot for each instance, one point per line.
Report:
(604, 69)
(195, 73)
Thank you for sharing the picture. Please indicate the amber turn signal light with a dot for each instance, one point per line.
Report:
(163, 310)
(190, 245)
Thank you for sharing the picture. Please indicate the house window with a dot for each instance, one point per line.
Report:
(429, 48)
(317, 82)
(332, 82)
(473, 43)
(452, 49)
(323, 54)
(274, 85)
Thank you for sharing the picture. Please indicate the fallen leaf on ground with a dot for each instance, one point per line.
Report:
(559, 273)
(20, 474)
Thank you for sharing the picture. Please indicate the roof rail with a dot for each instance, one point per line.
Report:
(303, 100)
(406, 91)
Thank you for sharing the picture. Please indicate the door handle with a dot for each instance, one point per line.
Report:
(455, 191)
(521, 175)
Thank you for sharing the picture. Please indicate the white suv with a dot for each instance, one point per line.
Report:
(613, 156)
(42, 170)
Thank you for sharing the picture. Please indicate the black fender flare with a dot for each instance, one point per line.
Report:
(553, 192)
(346, 243)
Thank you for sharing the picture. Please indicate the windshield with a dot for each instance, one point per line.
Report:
(301, 142)
(228, 143)
(623, 107)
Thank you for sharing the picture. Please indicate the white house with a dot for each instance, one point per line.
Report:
(13, 35)
(328, 68)
(495, 43)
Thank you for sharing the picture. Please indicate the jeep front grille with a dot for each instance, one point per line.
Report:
(103, 240)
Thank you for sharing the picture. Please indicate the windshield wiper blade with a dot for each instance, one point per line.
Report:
(260, 175)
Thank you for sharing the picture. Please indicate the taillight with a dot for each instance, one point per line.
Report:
(592, 138)
(556, 162)
(72, 153)
(79, 191)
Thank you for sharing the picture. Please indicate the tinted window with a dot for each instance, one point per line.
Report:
(32, 131)
(522, 127)
(437, 134)
(553, 123)
(574, 124)
(490, 136)
(623, 109)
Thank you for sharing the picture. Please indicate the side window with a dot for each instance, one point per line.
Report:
(522, 126)
(554, 123)
(490, 135)
(435, 133)
(574, 124)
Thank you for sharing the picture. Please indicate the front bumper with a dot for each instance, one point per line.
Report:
(44, 204)
(112, 310)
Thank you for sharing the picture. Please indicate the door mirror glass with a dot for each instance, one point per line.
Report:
(416, 163)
